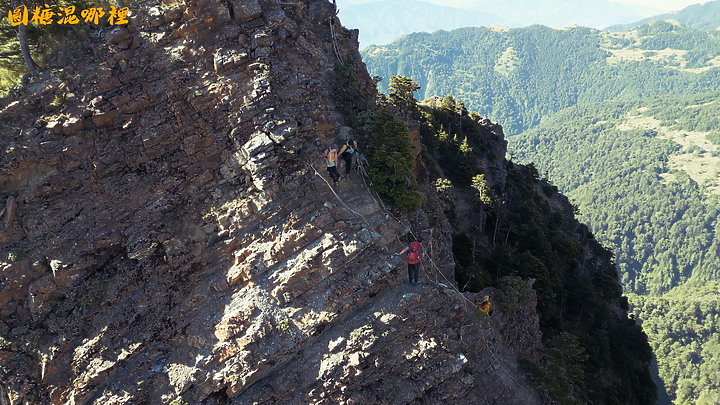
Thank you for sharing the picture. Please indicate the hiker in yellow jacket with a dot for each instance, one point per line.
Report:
(331, 161)
(484, 306)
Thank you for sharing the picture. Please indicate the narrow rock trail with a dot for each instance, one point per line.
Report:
(346, 355)
(169, 241)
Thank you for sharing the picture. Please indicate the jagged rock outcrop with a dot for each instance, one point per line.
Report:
(168, 233)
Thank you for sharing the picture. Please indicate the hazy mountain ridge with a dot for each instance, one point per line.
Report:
(381, 22)
(699, 16)
(384, 21)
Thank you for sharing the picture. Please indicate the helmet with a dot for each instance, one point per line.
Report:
(333, 146)
(350, 142)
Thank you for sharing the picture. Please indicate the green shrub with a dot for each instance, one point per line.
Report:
(16, 255)
(391, 162)
(59, 102)
(349, 93)
(563, 377)
(283, 325)
(514, 292)
(4, 343)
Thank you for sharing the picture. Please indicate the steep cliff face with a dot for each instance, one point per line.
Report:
(167, 234)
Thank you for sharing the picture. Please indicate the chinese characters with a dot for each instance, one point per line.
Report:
(66, 15)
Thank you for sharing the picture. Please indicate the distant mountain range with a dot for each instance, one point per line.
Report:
(518, 76)
(699, 16)
(381, 22)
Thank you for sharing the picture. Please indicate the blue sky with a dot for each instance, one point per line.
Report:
(663, 5)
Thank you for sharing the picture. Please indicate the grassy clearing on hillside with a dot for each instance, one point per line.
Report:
(699, 157)
(636, 46)
(712, 63)
(670, 56)
(508, 62)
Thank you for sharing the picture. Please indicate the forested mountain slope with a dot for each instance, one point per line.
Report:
(525, 229)
(645, 174)
(518, 76)
(633, 144)
(683, 330)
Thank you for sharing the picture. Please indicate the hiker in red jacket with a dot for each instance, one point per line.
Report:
(415, 251)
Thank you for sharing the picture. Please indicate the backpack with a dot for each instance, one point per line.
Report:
(413, 255)
(331, 157)
(348, 149)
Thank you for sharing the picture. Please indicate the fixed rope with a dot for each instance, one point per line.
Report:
(492, 357)
(338, 197)
(360, 162)
(363, 172)
(452, 286)
(389, 214)
(333, 34)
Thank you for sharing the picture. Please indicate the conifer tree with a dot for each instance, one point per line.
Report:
(448, 103)
(391, 162)
(402, 95)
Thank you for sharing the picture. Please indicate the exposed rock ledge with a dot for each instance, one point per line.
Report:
(166, 237)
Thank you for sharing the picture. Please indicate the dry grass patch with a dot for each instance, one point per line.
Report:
(698, 156)
(674, 56)
(508, 62)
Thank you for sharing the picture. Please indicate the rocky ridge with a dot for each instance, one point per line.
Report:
(168, 236)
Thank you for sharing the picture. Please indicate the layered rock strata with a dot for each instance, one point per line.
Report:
(168, 235)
